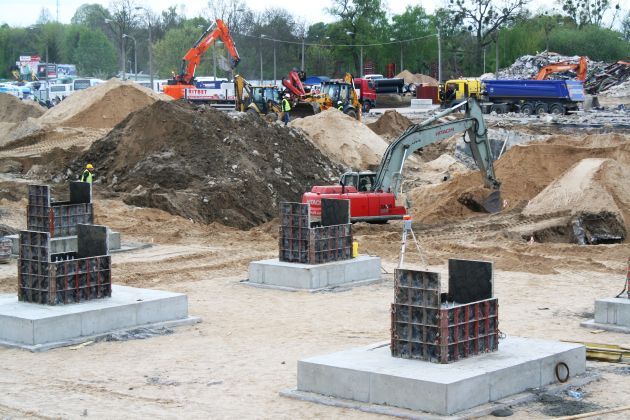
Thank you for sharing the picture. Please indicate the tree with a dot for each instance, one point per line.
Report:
(625, 27)
(95, 55)
(44, 16)
(123, 21)
(362, 21)
(484, 18)
(414, 22)
(174, 45)
(586, 12)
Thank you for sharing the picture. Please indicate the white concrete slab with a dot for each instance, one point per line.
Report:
(614, 311)
(371, 375)
(41, 327)
(313, 277)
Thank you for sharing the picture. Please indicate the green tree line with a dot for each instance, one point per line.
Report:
(361, 32)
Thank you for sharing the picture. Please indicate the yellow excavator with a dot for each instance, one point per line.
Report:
(262, 101)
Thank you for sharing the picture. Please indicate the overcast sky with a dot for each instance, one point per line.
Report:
(25, 12)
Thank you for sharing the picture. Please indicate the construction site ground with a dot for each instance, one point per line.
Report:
(245, 351)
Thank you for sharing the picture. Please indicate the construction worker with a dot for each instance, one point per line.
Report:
(86, 176)
(340, 106)
(286, 107)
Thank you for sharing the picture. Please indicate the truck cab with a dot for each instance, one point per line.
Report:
(456, 91)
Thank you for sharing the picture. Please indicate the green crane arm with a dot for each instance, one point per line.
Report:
(389, 173)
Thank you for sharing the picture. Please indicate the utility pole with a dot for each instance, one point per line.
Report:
(274, 62)
(496, 71)
(135, 54)
(401, 56)
(361, 62)
(439, 57)
(303, 69)
(261, 61)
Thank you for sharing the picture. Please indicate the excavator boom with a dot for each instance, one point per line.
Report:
(185, 78)
(580, 69)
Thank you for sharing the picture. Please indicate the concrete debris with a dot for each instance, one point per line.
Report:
(600, 75)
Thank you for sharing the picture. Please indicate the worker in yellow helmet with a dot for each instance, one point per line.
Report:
(87, 173)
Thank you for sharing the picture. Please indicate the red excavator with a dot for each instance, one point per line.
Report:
(562, 66)
(177, 86)
(373, 195)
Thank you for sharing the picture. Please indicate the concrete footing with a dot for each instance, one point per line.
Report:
(65, 244)
(312, 277)
(38, 327)
(612, 314)
(371, 375)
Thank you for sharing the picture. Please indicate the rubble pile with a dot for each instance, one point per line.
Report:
(599, 77)
(205, 165)
(616, 74)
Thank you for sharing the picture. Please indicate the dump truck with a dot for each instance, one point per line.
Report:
(525, 96)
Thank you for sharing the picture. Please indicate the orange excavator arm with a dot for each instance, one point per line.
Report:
(579, 68)
(193, 57)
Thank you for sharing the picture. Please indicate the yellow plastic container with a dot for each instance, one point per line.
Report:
(355, 249)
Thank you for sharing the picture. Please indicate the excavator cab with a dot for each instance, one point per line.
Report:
(362, 181)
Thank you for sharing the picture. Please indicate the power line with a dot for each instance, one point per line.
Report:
(337, 45)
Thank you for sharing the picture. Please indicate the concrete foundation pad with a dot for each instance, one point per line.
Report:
(613, 311)
(313, 277)
(606, 327)
(371, 375)
(40, 327)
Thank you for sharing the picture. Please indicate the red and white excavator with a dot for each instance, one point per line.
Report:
(373, 195)
(184, 81)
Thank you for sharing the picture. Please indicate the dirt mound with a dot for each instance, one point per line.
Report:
(202, 164)
(101, 106)
(416, 78)
(524, 171)
(14, 110)
(390, 125)
(343, 139)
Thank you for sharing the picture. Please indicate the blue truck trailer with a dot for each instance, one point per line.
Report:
(531, 96)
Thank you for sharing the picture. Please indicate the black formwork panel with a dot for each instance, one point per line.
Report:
(59, 218)
(427, 327)
(301, 241)
(54, 279)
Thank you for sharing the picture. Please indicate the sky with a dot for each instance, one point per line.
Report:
(28, 11)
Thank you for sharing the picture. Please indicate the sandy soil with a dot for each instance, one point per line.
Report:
(234, 363)
(245, 351)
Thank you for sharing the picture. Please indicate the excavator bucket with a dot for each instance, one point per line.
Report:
(305, 109)
(478, 200)
(492, 203)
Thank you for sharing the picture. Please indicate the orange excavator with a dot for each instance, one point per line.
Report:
(177, 86)
(562, 66)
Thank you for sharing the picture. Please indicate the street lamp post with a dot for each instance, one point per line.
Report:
(439, 57)
(135, 54)
(261, 57)
(148, 16)
(360, 54)
(274, 63)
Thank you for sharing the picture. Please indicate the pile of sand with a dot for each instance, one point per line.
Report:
(343, 139)
(390, 125)
(101, 106)
(14, 110)
(202, 164)
(524, 171)
(416, 78)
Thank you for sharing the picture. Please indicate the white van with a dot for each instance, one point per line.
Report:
(84, 83)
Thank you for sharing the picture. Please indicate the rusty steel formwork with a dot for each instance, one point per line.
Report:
(61, 218)
(426, 326)
(304, 241)
(71, 277)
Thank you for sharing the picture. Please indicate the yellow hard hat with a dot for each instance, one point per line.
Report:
(89, 166)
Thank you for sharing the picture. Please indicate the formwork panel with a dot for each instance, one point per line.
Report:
(425, 326)
(59, 218)
(306, 242)
(64, 278)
